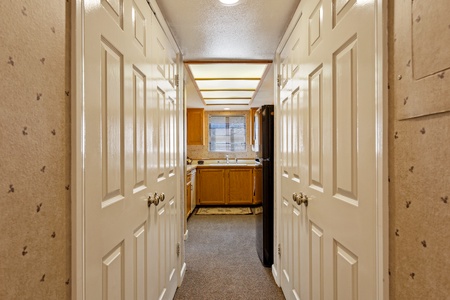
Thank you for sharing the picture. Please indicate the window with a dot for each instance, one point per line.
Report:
(227, 133)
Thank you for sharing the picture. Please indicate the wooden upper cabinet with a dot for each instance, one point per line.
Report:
(252, 125)
(195, 126)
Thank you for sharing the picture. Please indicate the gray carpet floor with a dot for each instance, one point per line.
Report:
(222, 262)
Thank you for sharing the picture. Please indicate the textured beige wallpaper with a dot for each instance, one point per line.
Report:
(419, 151)
(34, 150)
(422, 29)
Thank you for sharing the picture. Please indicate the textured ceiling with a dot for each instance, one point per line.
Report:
(208, 30)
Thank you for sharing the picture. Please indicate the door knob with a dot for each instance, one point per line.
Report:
(162, 197)
(305, 200)
(298, 198)
(153, 199)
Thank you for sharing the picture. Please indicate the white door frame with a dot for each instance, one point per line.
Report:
(77, 147)
(382, 226)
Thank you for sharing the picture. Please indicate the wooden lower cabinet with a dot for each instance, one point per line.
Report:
(240, 186)
(210, 186)
(225, 186)
(190, 195)
(188, 206)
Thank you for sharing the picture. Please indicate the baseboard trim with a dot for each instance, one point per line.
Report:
(275, 275)
(182, 273)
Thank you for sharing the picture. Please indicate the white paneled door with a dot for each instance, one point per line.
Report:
(328, 154)
(163, 218)
(129, 129)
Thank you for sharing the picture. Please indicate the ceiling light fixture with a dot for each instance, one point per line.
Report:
(227, 82)
(229, 2)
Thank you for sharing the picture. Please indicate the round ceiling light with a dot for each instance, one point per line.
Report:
(229, 2)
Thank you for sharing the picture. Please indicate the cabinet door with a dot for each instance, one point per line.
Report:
(252, 125)
(195, 127)
(240, 184)
(188, 205)
(193, 189)
(257, 185)
(211, 183)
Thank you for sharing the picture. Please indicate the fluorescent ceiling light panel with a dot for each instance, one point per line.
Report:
(227, 102)
(229, 2)
(228, 83)
(227, 94)
(228, 70)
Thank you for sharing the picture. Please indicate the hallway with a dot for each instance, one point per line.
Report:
(222, 262)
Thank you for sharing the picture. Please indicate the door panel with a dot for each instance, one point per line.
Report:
(292, 134)
(316, 262)
(316, 121)
(113, 274)
(140, 263)
(345, 130)
(140, 121)
(124, 160)
(163, 223)
(328, 102)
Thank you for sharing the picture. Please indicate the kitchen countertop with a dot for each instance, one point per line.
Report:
(222, 163)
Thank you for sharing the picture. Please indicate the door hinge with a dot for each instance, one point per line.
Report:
(178, 249)
(279, 80)
(279, 249)
(177, 80)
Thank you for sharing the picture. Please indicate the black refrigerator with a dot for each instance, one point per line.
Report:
(264, 119)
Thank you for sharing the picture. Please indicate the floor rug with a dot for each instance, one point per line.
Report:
(224, 211)
(257, 210)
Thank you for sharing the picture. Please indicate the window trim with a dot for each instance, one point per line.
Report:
(228, 115)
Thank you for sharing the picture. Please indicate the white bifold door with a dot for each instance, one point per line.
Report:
(130, 106)
(328, 153)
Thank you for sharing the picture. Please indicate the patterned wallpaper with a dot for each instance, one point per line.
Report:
(419, 151)
(34, 149)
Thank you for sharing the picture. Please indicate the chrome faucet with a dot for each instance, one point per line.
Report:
(227, 158)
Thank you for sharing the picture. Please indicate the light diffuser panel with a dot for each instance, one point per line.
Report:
(227, 83)
(227, 94)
